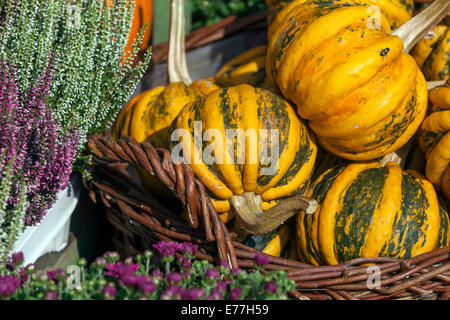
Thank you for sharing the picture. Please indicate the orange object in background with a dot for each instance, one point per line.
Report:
(143, 13)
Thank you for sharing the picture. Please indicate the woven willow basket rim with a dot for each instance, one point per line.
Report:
(140, 221)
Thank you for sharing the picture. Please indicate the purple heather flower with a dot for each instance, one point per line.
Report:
(8, 285)
(193, 294)
(172, 292)
(51, 295)
(167, 248)
(271, 287)
(211, 273)
(261, 259)
(235, 293)
(174, 277)
(109, 291)
(188, 248)
(120, 270)
(43, 154)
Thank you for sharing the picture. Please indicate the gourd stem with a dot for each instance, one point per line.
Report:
(253, 220)
(398, 156)
(434, 84)
(176, 60)
(416, 28)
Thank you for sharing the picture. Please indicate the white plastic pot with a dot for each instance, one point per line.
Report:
(52, 234)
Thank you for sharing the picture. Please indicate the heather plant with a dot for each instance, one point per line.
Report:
(91, 81)
(36, 156)
(169, 272)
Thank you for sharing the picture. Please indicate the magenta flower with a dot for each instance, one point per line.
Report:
(23, 275)
(261, 259)
(109, 291)
(186, 263)
(174, 277)
(167, 248)
(188, 248)
(235, 293)
(271, 287)
(236, 271)
(215, 295)
(211, 273)
(148, 287)
(51, 295)
(17, 258)
(43, 154)
(121, 270)
(8, 285)
(225, 264)
(193, 294)
(172, 292)
(222, 285)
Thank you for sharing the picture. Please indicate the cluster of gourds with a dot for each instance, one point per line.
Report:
(326, 77)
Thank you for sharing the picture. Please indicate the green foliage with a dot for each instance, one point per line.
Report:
(207, 12)
(146, 276)
(86, 39)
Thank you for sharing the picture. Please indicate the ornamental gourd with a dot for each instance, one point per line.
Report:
(433, 55)
(149, 115)
(250, 150)
(396, 11)
(434, 140)
(249, 67)
(366, 210)
(363, 97)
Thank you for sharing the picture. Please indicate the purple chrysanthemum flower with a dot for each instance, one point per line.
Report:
(172, 292)
(51, 275)
(211, 273)
(8, 285)
(174, 277)
(188, 248)
(167, 248)
(121, 270)
(109, 291)
(236, 271)
(235, 293)
(17, 258)
(215, 295)
(271, 287)
(23, 275)
(186, 263)
(225, 264)
(222, 285)
(261, 259)
(51, 295)
(193, 293)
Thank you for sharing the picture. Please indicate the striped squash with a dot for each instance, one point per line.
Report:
(433, 55)
(248, 180)
(396, 11)
(434, 140)
(370, 211)
(363, 97)
(151, 112)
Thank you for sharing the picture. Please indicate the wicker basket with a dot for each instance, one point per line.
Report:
(141, 218)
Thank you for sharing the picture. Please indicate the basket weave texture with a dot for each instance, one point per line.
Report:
(140, 220)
